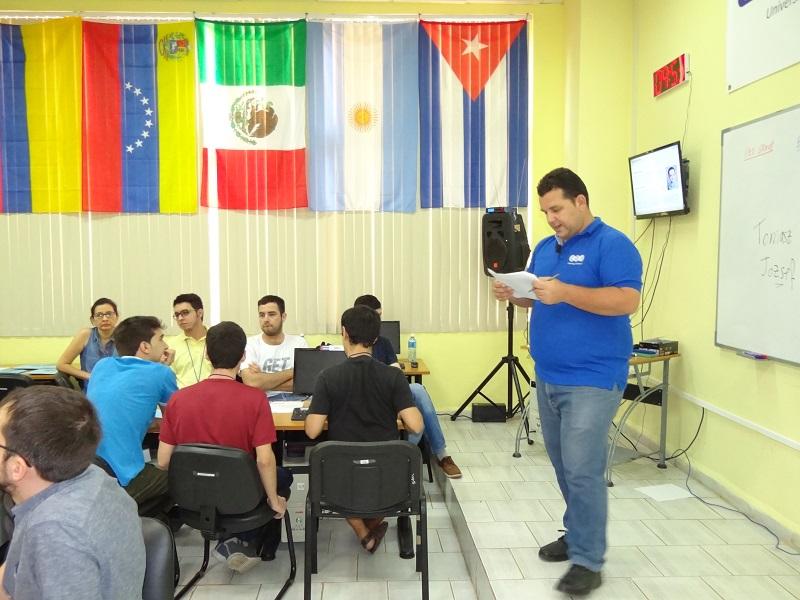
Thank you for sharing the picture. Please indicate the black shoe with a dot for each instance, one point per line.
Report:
(579, 581)
(554, 551)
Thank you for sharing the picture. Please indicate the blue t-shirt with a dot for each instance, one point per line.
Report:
(125, 392)
(572, 346)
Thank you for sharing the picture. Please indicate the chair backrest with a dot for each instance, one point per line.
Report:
(10, 381)
(363, 478)
(67, 381)
(159, 547)
(206, 478)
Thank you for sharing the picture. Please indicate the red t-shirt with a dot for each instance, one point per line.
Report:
(218, 411)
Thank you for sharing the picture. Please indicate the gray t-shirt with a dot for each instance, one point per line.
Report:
(79, 538)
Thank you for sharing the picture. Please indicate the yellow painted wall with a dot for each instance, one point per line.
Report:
(755, 467)
(611, 50)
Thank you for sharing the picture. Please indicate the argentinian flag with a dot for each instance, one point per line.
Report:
(362, 116)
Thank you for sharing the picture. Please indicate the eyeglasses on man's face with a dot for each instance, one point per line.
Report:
(183, 313)
(12, 451)
(105, 315)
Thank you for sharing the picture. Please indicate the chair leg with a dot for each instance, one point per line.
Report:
(425, 447)
(311, 534)
(422, 548)
(199, 575)
(292, 559)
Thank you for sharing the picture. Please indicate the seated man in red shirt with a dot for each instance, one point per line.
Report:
(219, 410)
(362, 399)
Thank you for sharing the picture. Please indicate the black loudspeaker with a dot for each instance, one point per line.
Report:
(505, 242)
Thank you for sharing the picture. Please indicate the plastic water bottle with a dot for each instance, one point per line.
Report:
(412, 349)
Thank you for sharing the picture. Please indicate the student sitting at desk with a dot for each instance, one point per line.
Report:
(224, 412)
(91, 343)
(384, 352)
(269, 357)
(125, 392)
(362, 399)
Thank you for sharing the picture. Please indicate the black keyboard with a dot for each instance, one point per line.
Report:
(299, 414)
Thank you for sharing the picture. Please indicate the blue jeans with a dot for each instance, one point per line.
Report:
(433, 430)
(575, 422)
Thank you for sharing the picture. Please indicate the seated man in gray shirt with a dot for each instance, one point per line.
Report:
(77, 533)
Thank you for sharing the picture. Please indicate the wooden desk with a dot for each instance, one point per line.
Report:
(411, 373)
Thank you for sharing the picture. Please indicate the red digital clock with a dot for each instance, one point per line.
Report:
(670, 75)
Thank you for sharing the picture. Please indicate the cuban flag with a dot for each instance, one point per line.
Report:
(473, 89)
(362, 116)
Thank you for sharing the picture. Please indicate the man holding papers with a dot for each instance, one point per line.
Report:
(588, 279)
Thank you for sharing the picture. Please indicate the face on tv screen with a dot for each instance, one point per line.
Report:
(656, 182)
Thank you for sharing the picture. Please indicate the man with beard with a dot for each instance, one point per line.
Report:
(269, 356)
(76, 534)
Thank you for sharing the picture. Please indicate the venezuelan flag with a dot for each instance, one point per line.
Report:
(139, 118)
(40, 117)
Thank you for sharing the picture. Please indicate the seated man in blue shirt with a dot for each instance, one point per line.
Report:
(76, 533)
(125, 391)
(383, 351)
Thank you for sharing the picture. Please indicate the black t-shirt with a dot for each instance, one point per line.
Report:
(383, 352)
(361, 398)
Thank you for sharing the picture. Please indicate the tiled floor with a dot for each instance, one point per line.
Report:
(657, 550)
(507, 508)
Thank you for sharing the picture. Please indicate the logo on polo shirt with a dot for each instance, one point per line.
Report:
(576, 259)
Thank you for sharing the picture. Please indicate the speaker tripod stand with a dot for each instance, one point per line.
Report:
(510, 361)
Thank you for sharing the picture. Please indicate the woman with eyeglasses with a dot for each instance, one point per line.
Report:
(91, 343)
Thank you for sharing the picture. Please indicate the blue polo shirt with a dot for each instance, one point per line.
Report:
(572, 346)
(125, 392)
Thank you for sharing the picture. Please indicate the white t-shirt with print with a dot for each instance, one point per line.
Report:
(272, 358)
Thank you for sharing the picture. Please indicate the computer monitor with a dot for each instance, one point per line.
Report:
(659, 182)
(309, 363)
(391, 331)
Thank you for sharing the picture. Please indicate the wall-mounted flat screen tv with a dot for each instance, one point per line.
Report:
(658, 182)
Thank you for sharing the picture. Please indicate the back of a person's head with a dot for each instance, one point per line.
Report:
(193, 299)
(565, 180)
(131, 332)
(55, 429)
(225, 343)
(270, 298)
(363, 325)
(368, 300)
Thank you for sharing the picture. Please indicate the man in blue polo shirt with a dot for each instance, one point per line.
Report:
(589, 279)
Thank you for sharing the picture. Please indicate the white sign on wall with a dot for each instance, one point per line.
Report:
(763, 38)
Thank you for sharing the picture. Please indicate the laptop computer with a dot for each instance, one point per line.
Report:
(391, 331)
(309, 363)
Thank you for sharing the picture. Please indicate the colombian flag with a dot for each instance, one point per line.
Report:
(40, 117)
(139, 118)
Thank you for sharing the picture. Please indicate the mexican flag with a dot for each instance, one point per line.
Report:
(252, 112)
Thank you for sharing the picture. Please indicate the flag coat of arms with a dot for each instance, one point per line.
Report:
(139, 118)
(362, 116)
(473, 81)
(40, 117)
(253, 106)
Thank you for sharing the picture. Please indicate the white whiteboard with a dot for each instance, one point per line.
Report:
(758, 283)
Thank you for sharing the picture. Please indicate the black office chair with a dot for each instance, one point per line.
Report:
(159, 547)
(367, 480)
(67, 381)
(218, 491)
(11, 381)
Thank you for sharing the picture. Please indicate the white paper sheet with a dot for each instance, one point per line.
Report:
(520, 281)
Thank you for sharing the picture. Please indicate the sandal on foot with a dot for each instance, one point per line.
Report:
(374, 535)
